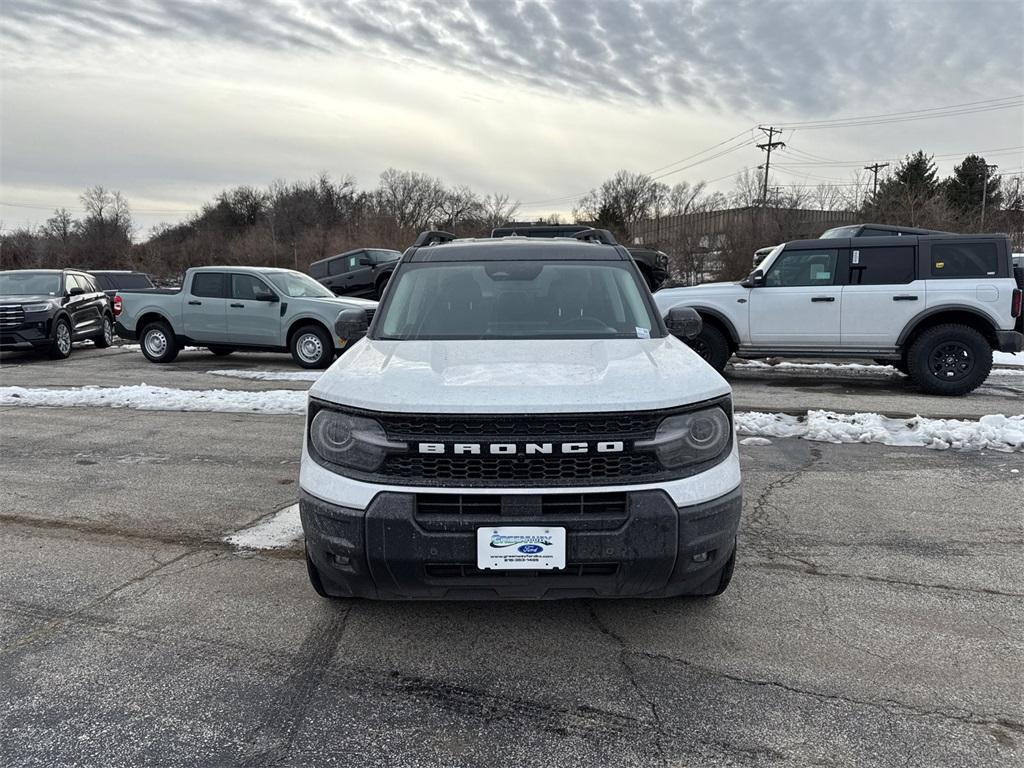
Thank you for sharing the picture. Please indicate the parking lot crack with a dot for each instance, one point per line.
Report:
(52, 626)
(888, 706)
(652, 704)
(812, 569)
(757, 525)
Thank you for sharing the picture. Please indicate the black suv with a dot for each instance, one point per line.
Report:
(653, 264)
(47, 309)
(361, 272)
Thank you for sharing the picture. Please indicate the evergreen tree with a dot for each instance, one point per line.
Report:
(965, 188)
(910, 195)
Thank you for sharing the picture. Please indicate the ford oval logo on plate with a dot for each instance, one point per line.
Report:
(531, 549)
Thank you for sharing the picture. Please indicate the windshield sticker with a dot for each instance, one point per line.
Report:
(643, 333)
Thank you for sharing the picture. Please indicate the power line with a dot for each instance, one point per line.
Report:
(969, 107)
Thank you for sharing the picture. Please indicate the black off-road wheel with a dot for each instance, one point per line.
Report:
(712, 345)
(158, 342)
(382, 283)
(949, 360)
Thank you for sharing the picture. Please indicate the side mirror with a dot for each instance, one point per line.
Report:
(365, 261)
(753, 280)
(684, 322)
(76, 291)
(351, 324)
(271, 297)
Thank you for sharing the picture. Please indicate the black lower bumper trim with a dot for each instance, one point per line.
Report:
(385, 552)
(124, 332)
(1010, 341)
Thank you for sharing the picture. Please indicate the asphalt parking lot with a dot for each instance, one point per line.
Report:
(876, 617)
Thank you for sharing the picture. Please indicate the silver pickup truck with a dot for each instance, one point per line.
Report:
(233, 308)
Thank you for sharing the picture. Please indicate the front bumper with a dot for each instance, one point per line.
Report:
(391, 551)
(1010, 341)
(27, 336)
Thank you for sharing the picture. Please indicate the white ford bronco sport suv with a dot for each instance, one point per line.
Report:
(519, 422)
(933, 306)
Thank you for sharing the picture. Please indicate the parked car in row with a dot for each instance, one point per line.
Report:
(233, 308)
(653, 264)
(934, 306)
(48, 309)
(361, 272)
(111, 281)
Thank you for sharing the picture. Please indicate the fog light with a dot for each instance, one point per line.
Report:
(701, 557)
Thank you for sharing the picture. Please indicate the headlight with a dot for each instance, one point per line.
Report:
(42, 307)
(350, 441)
(690, 438)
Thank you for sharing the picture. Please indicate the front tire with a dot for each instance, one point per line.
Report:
(106, 334)
(158, 342)
(60, 345)
(712, 345)
(312, 347)
(382, 283)
(314, 579)
(949, 360)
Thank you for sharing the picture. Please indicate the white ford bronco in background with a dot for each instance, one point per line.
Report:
(519, 422)
(933, 306)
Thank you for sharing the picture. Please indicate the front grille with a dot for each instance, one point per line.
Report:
(568, 504)
(596, 467)
(470, 571)
(11, 316)
(490, 470)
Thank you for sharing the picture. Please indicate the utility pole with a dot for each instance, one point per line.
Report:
(984, 191)
(768, 146)
(875, 168)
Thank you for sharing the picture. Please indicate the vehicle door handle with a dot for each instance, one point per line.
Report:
(238, 306)
(195, 303)
(823, 298)
(904, 298)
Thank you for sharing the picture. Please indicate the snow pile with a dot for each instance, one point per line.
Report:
(258, 375)
(148, 398)
(1008, 358)
(994, 432)
(279, 530)
(755, 441)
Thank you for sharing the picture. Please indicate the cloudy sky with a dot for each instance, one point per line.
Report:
(171, 101)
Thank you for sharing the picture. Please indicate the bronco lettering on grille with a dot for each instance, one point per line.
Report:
(521, 449)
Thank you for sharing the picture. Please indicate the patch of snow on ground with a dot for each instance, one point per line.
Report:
(279, 530)
(855, 368)
(755, 441)
(148, 398)
(1008, 358)
(995, 432)
(258, 375)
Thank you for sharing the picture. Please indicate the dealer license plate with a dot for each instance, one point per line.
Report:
(520, 547)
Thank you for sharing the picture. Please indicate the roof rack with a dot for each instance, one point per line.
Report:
(433, 237)
(602, 236)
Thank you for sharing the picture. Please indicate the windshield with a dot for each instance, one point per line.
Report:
(516, 300)
(829, 234)
(29, 283)
(297, 285)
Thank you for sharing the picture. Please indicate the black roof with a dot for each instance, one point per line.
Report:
(517, 249)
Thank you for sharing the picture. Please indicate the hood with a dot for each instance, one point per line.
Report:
(33, 299)
(668, 297)
(549, 376)
(342, 302)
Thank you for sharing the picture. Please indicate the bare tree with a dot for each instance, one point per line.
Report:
(497, 209)
(412, 199)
